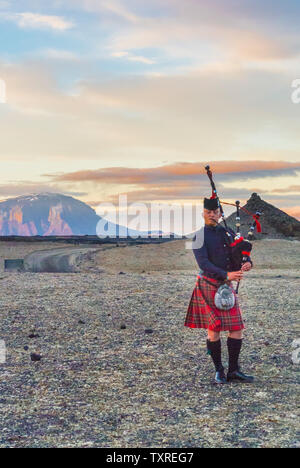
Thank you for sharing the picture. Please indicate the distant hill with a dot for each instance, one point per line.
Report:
(52, 214)
(276, 224)
(55, 214)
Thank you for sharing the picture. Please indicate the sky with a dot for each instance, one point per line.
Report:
(106, 97)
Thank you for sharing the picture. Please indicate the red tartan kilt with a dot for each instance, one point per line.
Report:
(202, 312)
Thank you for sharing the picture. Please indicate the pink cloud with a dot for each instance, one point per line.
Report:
(123, 175)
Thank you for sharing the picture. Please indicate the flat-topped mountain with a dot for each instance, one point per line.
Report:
(54, 214)
(46, 214)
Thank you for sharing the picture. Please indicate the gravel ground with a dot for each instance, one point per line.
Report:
(99, 384)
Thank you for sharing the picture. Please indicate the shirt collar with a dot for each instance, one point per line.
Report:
(212, 228)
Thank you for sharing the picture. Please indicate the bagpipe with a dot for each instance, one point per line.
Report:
(240, 248)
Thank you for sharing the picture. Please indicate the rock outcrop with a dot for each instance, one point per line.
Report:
(276, 224)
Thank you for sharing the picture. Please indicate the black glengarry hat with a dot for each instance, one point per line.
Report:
(211, 203)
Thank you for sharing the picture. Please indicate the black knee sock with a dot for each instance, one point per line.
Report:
(214, 349)
(234, 348)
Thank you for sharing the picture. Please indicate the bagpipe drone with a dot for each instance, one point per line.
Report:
(240, 248)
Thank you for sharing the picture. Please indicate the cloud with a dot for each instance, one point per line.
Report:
(29, 20)
(214, 33)
(178, 171)
(58, 54)
(179, 182)
(133, 58)
(201, 100)
(179, 192)
(15, 189)
(139, 58)
(119, 9)
(4, 4)
(291, 188)
(120, 54)
(137, 121)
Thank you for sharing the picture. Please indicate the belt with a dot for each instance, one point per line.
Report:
(207, 280)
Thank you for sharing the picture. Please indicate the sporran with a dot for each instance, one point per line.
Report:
(224, 297)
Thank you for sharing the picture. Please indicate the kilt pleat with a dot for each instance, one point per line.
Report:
(202, 312)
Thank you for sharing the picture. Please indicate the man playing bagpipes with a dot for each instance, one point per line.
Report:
(214, 303)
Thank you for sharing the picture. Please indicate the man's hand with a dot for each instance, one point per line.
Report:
(235, 275)
(246, 266)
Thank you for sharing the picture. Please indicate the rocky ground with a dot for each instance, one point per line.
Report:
(117, 366)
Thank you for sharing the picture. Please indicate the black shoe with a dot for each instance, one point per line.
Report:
(220, 377)
(239, 376)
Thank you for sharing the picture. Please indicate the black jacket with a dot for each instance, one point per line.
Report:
(213, 257)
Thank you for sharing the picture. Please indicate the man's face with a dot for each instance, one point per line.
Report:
(211, 217)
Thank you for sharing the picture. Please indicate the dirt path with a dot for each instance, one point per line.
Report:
(61, 260)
